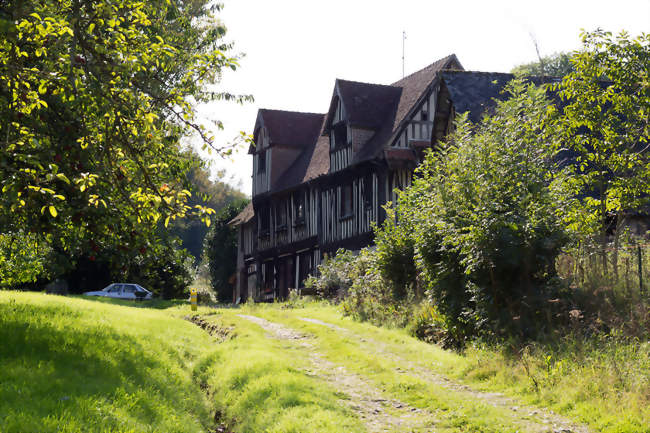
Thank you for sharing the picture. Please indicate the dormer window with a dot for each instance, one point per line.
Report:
(340, 135)
(261, 162)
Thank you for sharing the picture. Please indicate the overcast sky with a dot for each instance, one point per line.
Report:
(296, 49)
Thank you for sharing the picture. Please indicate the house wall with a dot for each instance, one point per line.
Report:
(420, 125)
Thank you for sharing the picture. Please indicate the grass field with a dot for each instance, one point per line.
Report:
(98, 365)
(73, 365)
(70, 364)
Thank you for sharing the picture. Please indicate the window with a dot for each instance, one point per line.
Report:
(305, 267)
(367, 192)
(424, 115)
(340, 135)
(299, 208)
(261, 162)
(264, 221)
(346, 201)
(281, 216)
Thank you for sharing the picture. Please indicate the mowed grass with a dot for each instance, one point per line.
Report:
(89, 365)
(605, 384)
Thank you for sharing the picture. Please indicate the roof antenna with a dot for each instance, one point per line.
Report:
(403, 42)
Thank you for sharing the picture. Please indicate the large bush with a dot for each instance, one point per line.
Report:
(480, 229)
(487, 218)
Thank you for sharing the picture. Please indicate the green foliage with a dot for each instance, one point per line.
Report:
(214, 194)
(221, 250)
(604, 124)
(395, 256)
(23, 259)
(94, 99)
(484, 218)
(555, 65)
(336, 274)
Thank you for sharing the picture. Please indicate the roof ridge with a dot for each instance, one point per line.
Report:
(365, 82)
(291, 111)
(445, 59)
(457, 71)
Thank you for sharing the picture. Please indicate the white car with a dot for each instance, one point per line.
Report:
(123, 291)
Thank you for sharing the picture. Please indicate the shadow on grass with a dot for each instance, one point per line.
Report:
(58, 375)
(158, 304)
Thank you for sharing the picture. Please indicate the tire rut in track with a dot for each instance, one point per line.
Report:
(378, 412)
(532, 419)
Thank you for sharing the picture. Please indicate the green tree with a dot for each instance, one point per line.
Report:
(604, 127)
(214, 194)
(94, 98)
(221, 250)
(555, 65)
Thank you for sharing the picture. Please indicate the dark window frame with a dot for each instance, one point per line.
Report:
(281, 216)
(299, 204)
(261, 162)
(346, 205)
(265, 222)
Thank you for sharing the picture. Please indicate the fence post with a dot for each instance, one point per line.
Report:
(193, 299)
(640, 260)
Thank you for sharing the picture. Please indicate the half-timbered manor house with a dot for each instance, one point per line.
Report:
(321, 180)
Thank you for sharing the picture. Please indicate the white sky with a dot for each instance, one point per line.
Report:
(296, 49)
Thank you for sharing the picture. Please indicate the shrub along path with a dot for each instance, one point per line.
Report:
(390, 393)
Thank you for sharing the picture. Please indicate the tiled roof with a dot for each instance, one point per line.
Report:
(244, 216)
(374, 106)
(474, 92)
(290, 128)
(367, 105)
(313, 162)
(414, 85)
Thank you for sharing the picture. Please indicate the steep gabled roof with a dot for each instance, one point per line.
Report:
(366, 105)
(314, 161)
(413, 88)
(288, 128)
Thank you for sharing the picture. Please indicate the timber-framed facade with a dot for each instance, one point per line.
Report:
(320, 181)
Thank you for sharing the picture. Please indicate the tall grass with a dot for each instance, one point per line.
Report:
(610, 295)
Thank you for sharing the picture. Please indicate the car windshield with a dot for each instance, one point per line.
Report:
(112, 288)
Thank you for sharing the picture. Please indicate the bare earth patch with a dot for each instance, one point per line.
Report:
(379, 413)
(532, 419)
(221, 333)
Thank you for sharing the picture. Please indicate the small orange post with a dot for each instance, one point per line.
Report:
(193, 298)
